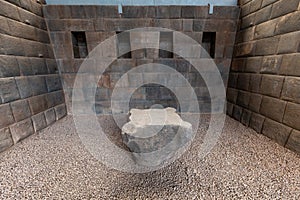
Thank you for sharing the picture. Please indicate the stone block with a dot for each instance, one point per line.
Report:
(20, 110)
(34, 49)
(289, 43)
(288, 23)
(271, 64)
(194, 12)
(21, 30)
(276, 131)
(243, 81)
(290, 65)
(272, 108)
(256, 122)
(24, 87)
(139, 11)
(253, 64)
(60, 111)
(245, 119)
(37, 84)
(187, 24)
(4, 28)
(293, 142)
(53, 83)
(34, 20)
(265, 29)
(266, 46)
(51, 66)
(255, 80)
(36, 8)
(168, 12)
(245, 35)
(238, 64)
(248, 21)
(174, 24)
(8, 90)
(267, 2)
(263, 14)
(6, 117)
(282, 7)
(50, 116)
(26, 4)
(125, 24)
(77, 12)
(11, 45)
(24, 66)
(55, 98)
(107, 11)
(237, 112)
(21, 130)
(255, 102)
(8, 66)
(271, 85)
(229, 109)
(38, 66)
(291, 89)
(5, 139)
(244, 49)
(38, 104)
(292, 115)
(255, 5)
(232, 81)
(9, 10)
(243, 99)
(39, 122)
(214, 25)
(224, 12)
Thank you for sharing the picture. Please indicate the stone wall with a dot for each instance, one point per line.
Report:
(98, 23)
(264, 83)
(31, 96)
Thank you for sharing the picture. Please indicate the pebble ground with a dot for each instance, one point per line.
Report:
(243, 165)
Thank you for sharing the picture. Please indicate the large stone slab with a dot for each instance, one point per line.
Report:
(154, 135)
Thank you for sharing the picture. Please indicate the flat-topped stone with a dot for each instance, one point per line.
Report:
(154, 135)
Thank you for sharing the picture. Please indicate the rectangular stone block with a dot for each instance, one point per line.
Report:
(225, 12)
(288, 23)
(243, 99)
(20, 110)
(9, 10)
(39, 122)
(276, 131)
(5, 139)
(263, 14)
(214, 25)
(245, 119)
(6, 116)
(265, 29)
(53, 83)
(21, 30)
(51, 66)
(77, 12)
(256, 122)
(21, 130)
(8, 66)
(290, 65)
(38, 85)
(38, 104)
(24, 87)
(34, 20)
(292, 115)
(238, 64)
(34, 49)
(38, 66)
(293, 142)
(289, 43)
(232, 81)
(271, 64)
(271, 85)
(237, 112)
(255, 102)
(139, 11)
(60, 111)
(245, 35)
(174, 24)
(229, 109)
(194, 12)
(248, 21)
(8, 90)
(267, 2)
(282, 7)
(272, 108)
(11, 45)
(50, 116)
(168, 12)
(255, 5)
(244, 49)
(255, 80)
(291, 89)
(266, 46)
(24, 66)
(253, 64)
(107, 11)
(55, 98)
(243, 81)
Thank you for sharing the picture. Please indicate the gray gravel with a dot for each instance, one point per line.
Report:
(243, 165)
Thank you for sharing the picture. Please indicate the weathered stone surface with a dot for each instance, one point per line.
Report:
(245, 119)
(292, 115)
(267, 2)
(24, 66)
(8, 90)
(272, 108)
(39, 121)
(55, 98)
(37, 84)
(254, 102)
(291, 89)
(243, 81)
(293, 142)
(53, 83)
(20, 110)
(21, 130)
(243, 99)
(232, 95)
(24, 87)
(8, 66)
(263, 14)
(138, 11)
(290, 65)
(5, 139)
(253, 64)
(271, 85)
(244, 49)
(266, 46)
(11, 45)
(271, 64)
(38, 66)
(288, 23)
(158, 131)
(229, 109)
(168, 12)
(256, 122)
(38, 104)
(248, 21)
(9, 10)
(282, 7)
(6, 116)
(50, 116)
(276, 131)
(289, 43)
(245, 35)
(255, 80)
(265, 29)
(60, 111)
(237, 112)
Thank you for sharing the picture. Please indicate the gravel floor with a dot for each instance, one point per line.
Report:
(243, 165)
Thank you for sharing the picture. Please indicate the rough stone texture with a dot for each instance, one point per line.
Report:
(294, 140)
(267, 50)
(39, 121)
(27, 69)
